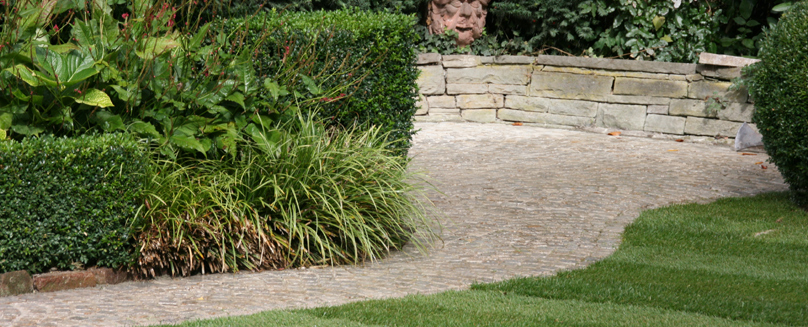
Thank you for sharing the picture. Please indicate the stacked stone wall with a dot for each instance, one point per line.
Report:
(556, 91)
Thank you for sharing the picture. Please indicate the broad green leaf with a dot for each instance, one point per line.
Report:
(3, 134)
(108, 121)
(658, 22)
(187, 142)
(27, 75)
(666, 38)
(196, 41)
(63, 48)
(273, 88)
(749, 43)
(155, 46)
(5, 121)
(94, 97)
(255, 133)
(237, 97)
(310, 85)
(746, 8)
(781, 7)
(69, 68)
(739, 20)
(144, 128)
(752, 23)
(27, 130)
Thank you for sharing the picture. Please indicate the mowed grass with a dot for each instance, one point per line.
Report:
(734, 262)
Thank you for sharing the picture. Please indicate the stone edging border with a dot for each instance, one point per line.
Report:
(21, 282)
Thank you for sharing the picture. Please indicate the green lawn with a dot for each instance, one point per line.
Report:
(734, 262)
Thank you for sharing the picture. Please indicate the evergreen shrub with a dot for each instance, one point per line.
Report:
(368, 54)
(779, 85)
(67, 201)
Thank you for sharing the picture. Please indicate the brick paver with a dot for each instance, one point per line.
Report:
(517, 201)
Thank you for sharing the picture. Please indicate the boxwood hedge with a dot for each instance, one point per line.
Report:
(372, 52)
(779, 85)
(67, 202)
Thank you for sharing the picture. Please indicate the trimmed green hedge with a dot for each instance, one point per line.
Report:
(68, 200)
(779, 85)
(374, 51)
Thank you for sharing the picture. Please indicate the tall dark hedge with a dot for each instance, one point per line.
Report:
(68, 201)
(380, 47)
(779, 85)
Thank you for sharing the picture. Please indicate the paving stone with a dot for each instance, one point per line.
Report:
(481, 101)
(637, 99)
(431, 80)
(514, 60)
(15, 282)
(108, 276)
(741, 112)
(479, 115)
(665, 124)
(507, 89)
(570, 85)
(527, 103)
(444, 111)
(621, 116)
(725, 60)
(461, 61)
(688, 107)
(725, 73)
(649, 87)
(707, 89)
(441, 101)
(514, 201)
(711, 127)
(466, 88)
(519, 75)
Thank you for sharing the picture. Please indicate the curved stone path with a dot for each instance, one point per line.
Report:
(518, 201)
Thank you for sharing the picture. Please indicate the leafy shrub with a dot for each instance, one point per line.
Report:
(779, 85)
(369, 55)
(67, 201)
(312, 196)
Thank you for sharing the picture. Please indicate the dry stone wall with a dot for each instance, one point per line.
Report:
(654, 97)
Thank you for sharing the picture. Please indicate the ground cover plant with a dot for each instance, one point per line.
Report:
(734, 262)
(778, 85)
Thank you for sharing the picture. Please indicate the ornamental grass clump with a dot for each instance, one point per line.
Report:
(307, 195)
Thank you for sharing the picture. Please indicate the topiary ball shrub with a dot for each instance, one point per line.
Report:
(779, 85)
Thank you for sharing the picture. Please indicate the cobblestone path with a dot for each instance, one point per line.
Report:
(518, 200)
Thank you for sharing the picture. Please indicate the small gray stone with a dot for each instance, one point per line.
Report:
(658, 109)
(431, 80)
(543, 118)
(461, 61)
(688, 107)
(725, 73)
(422, 105)
(571, 84)
(573, 108)
(665, 124)
(519, 75)
(441, 101)
(622, 116)
(466, 88)
(507, 89)
(741, 112)
(527, 103)
(15, 283)
(480, 101)
(480, 115)
(428, 58)
(724, 60)
(650, 87)
(711, 127)
(706, 89)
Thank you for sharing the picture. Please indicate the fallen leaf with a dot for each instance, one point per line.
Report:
(680, 140)
(517, 124)
(759, 162)
(763, 167)
(748, 154)
(673, 150)
(780, 220)
(615, 133)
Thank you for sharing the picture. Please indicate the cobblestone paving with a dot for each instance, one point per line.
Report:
(517, 201)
